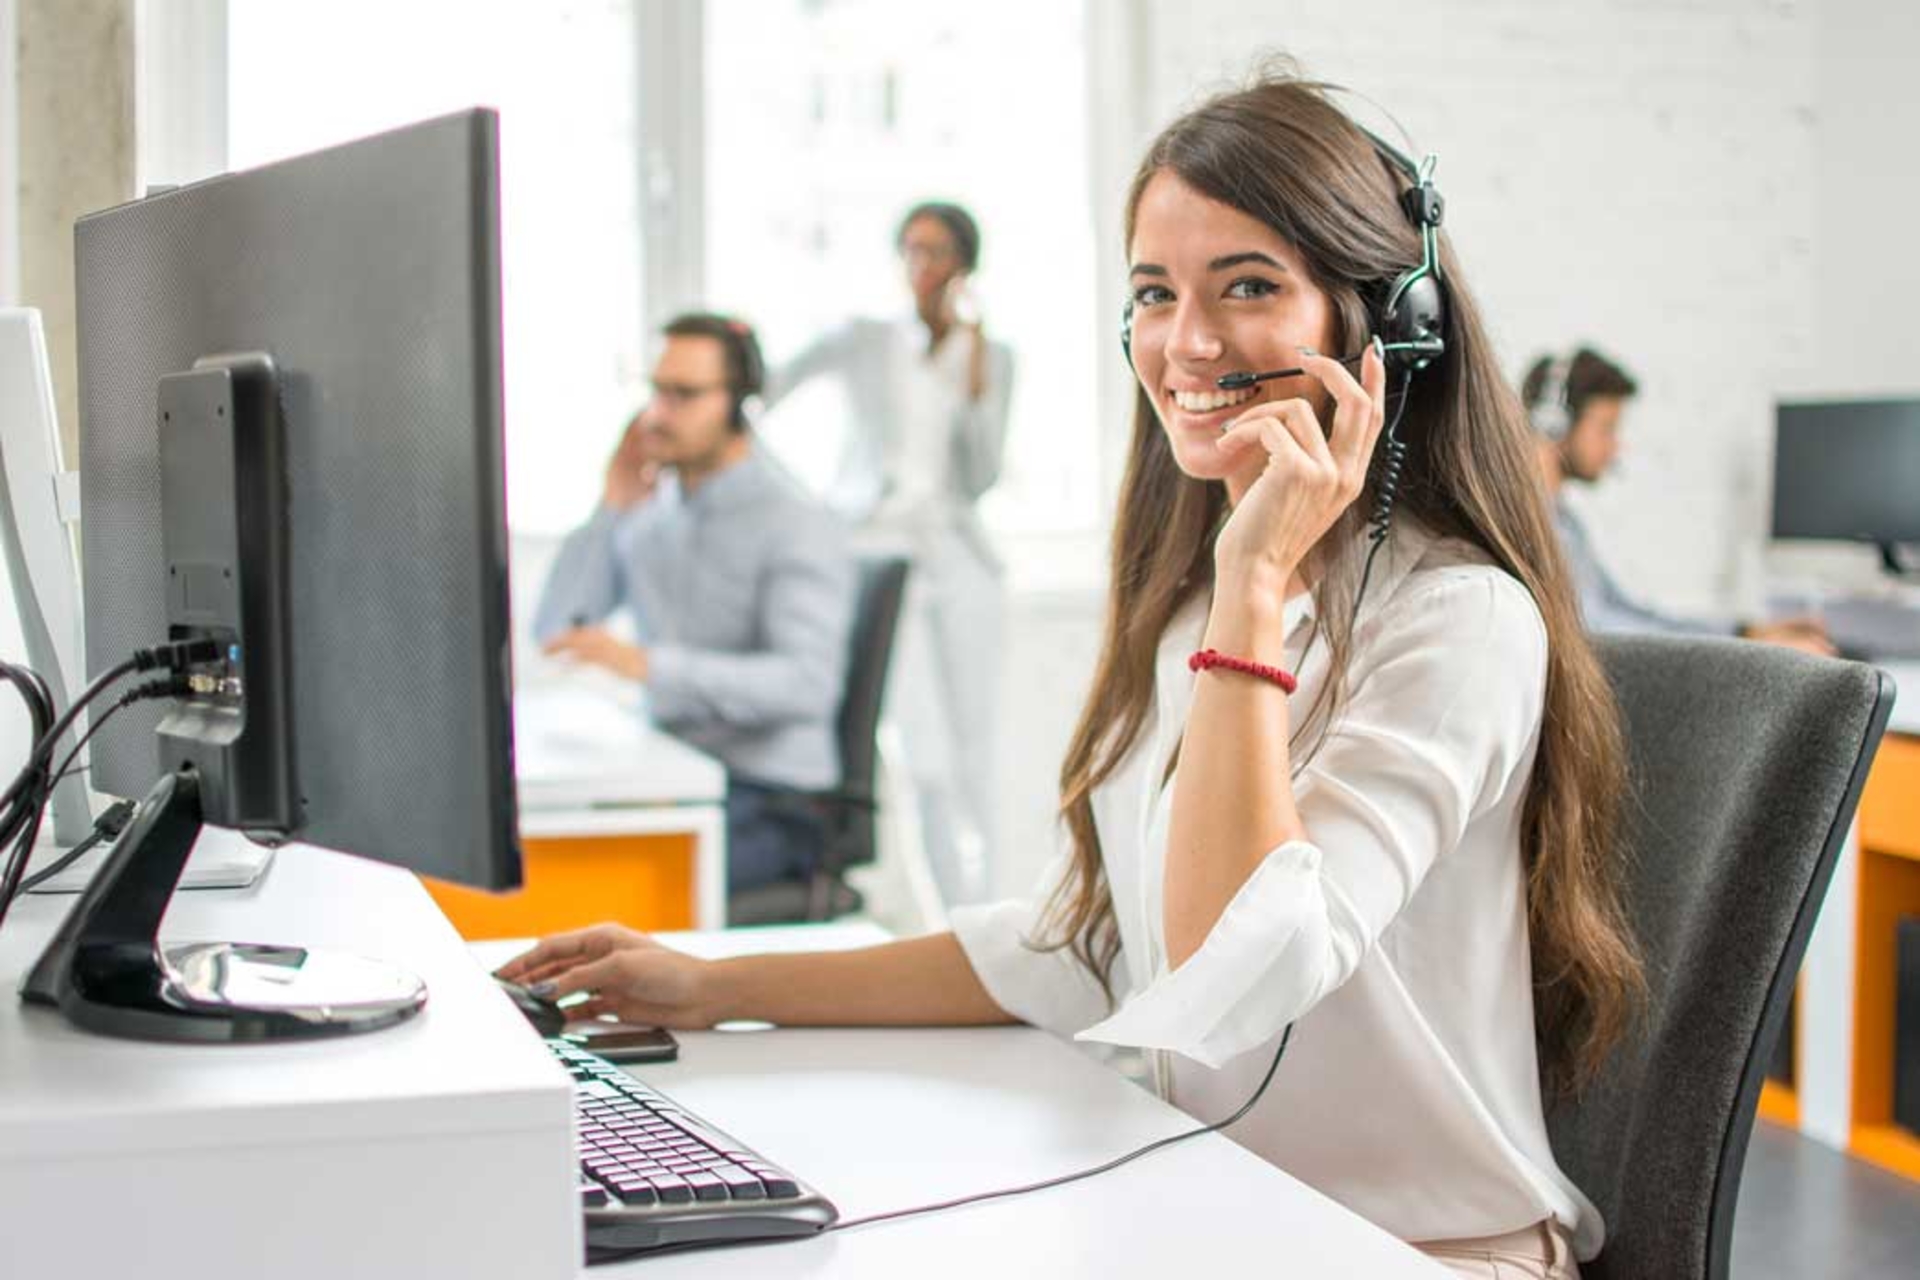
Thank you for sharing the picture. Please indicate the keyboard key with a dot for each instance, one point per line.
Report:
(741, 1185)
(707, 1187)
(593, 1197)
(636, 1191)
(674, 1192)
(779, 1186)
(773, 1177)
(694, 1129)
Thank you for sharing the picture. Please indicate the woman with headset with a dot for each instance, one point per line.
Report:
(927, 395)
(1348, 793)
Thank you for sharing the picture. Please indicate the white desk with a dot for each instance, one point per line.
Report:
(438, 1148)
(590, 764)
(884, 1119)
(443, 1148)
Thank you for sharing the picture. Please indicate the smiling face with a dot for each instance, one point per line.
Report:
(1216, 291)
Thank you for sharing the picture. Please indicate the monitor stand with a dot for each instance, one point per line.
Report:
(106, 970)
(1899, 560)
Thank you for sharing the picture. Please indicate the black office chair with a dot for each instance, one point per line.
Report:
(1747, 764)
(851, 811)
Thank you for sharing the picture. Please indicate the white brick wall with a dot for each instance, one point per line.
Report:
(1635, 174)
(1868, 229)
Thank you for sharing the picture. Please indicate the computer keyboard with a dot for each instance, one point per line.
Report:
(654, 1174)
(1888, 630)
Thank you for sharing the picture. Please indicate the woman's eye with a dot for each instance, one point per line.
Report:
(1251, 287)
(1148, 295)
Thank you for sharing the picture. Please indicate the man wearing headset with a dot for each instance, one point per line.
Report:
(1575, 403)
(740, 586)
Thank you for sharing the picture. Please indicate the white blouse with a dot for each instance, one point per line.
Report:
(1395, 936)
(930, 394)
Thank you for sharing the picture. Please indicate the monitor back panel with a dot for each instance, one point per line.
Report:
(369, 272)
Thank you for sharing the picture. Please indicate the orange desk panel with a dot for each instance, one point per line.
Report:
(645, 881)
(1889, 889)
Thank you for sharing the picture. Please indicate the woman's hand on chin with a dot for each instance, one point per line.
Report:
(1310, 477)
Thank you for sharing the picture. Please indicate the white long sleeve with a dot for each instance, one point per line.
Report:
(1436, 727)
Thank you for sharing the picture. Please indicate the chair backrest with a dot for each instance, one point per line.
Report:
(1746, 767)
(876, 619)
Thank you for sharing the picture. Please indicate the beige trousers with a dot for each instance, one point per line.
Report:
(1539, 1252)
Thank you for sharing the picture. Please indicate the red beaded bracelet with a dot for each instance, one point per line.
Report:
(1210, 659)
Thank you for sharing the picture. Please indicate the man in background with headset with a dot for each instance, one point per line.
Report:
(1575, 402)
(740, 586)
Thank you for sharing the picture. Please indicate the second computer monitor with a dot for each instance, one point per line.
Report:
(1848, 470)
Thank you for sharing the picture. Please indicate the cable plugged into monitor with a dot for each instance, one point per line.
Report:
(179, 655)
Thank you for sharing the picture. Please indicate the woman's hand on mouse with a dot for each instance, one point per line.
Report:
(624, 972)
(1311, 475)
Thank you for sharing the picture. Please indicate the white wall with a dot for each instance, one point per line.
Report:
(1636, 175)
(1867, 126)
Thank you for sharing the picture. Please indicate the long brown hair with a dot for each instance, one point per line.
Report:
(1282, 152)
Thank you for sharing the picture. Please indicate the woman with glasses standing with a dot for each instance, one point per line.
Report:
(927, 394)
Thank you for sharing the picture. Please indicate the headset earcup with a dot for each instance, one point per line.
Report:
(1550, 420)
(1550, 414)
(1414, 321)
(753, 370)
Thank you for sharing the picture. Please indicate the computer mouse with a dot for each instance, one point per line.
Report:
(546, 1016)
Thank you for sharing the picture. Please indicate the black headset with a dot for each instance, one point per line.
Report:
(1412, 324)
(1410, 318)
(746, 369)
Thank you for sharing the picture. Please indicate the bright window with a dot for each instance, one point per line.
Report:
(827, 119)
(820, 122)
(561, 74)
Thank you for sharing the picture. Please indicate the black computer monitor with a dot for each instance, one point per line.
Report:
(290, 415)
(1849, 470)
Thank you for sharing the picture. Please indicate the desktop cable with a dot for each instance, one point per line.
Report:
(23, 804)
(1109, 1166)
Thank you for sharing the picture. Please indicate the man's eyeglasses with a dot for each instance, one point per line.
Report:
(684, 393)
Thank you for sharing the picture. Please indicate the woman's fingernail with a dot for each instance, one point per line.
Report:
(1308, 351)
(544, 990)
(1379, 347)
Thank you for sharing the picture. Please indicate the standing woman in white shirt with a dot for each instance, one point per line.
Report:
(927, 396)
(1410, 862)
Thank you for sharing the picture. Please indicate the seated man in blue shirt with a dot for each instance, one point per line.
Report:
(1575, 403)
(741, 588)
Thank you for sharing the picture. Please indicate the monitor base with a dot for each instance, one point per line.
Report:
(108, 974)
